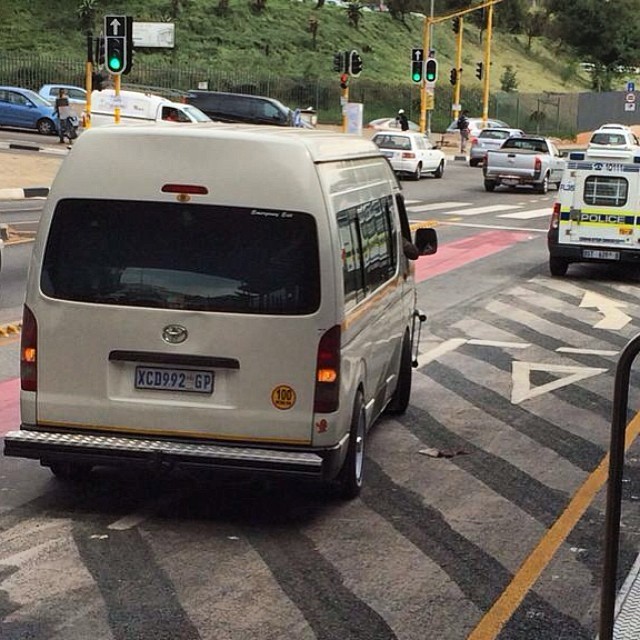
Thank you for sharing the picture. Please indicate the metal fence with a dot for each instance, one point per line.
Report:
(553, 114)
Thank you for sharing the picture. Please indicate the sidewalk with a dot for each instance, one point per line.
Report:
(27, 174)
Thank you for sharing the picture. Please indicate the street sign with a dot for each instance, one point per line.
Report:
(417, 55)
(631, 86)
(630, 97)
(154, 34)
(630, 106)
(417, 64)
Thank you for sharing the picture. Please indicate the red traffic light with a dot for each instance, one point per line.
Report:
(344, 80)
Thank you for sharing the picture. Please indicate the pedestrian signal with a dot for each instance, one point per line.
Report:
(479, 66)
(453, 76)
(355, 64)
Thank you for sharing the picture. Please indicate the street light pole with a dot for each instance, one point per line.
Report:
(426, 53)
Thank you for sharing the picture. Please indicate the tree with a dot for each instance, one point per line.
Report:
(354, 13)
(86, 11)
(534, 23)
(314, 23)
(508, 80)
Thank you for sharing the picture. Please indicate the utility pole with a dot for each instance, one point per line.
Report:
(487, 67)
(427, 53)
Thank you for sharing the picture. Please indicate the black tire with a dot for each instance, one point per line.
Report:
(400, 398)
(417, 174)
(489, 185)
(543, 187)
(46, 127)
(70, 471)
(474, 162)
(439, 172)
(558, 266)
(350, 478)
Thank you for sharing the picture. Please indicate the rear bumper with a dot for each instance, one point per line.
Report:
(573, 252)
(111, 450)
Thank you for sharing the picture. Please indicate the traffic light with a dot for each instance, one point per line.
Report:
(344, 81)
(479, 70)
(99, 51)
(431, 70)
(128, 45)
(115, 55)
(339, 61)
(453, 76)
(456, 25)
(417, 67)
(355, 64)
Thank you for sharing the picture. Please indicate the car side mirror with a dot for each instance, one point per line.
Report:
(426, 241)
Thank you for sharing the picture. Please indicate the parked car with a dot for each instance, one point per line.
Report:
(390, 123)
(489, 139)
(610, 139)
(25, 109)
(77, 95)
(475, 126)
(531, 160)
(411, 153)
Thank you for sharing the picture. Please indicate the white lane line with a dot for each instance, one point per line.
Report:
(445, 347)
(407, 202)
(590, 352)
(476, 211)
(504, 345)
(527, 215)
(492, 226)
(434, 206)
(128, 522)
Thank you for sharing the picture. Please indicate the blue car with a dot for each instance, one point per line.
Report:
(25, 109)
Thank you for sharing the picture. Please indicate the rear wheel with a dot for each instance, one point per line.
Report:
(474, 162)
(417, 173)
(350, 478)
(70, 471)
(400, 398)
(543, 187)
(558, 266)
(439, 172)
(489, 185)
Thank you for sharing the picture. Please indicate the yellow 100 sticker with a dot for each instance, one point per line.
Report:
(283, 397)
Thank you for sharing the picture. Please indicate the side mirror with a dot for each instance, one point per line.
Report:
(426, 241)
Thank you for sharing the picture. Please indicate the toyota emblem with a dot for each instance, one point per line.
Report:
(174, 334)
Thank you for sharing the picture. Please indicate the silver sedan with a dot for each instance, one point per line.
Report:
(489, 139)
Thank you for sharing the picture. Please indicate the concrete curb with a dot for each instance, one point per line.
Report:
(27, 192)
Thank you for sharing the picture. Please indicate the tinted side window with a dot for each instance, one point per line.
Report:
(183, 256)
(352, 272)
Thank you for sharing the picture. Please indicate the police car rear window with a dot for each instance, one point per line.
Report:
(606, 191)
(183, 256)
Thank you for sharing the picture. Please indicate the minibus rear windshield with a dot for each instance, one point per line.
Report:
(182, 256)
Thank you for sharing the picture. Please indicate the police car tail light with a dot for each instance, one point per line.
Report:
(327, 392)
(555, 216)
(408, 154)
(28, 351)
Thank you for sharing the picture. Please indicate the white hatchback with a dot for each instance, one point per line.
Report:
(411, 153)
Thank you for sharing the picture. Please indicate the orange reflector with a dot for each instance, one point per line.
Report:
(327, 375)
(185, 188)
(626, 231)
(29, 355)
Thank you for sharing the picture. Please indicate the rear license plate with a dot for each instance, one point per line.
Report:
(510, 181)
(387, 154)
(165, 379)
(601, 255)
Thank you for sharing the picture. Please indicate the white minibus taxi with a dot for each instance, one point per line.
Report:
(235, 297)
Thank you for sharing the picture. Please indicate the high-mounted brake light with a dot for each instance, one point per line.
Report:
(28, 351)
(327, 392)
(185, 188)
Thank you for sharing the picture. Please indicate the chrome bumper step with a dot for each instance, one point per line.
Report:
(107, 449)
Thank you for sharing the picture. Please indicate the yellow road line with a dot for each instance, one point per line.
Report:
(505, 606)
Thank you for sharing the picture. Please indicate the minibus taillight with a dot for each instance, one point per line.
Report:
(28, 351)
(327, 394)
(555, 216)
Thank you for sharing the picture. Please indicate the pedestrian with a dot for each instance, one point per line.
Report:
(463, 125)
(401, 119)
(64, 113)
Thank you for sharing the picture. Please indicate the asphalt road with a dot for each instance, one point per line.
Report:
(473, 497)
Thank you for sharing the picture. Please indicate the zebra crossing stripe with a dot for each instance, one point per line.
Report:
(435, 206)
(527, 215)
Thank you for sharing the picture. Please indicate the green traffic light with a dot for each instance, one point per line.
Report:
(115, 63)
(431, 77)
(416, 77)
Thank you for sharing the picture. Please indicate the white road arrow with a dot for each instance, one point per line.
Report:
(614, 319)
(115, 25)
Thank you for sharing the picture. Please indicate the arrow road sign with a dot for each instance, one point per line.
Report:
(417, 55)
(114, 25)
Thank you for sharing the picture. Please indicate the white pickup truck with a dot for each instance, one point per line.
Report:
(532, 161)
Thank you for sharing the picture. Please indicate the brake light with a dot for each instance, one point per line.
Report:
(537, 164)
(474, 140)
(28, 351)
(185, 188)
(327, 392)
(555, 216)
(408, 154)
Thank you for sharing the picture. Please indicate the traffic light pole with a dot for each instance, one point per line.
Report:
(88, 75)
(487, 67)
(426, 33)
(456, 93)
(344, 99)
(116, 86)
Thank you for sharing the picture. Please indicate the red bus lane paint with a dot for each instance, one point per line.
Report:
(9, 405)
(461, 252)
